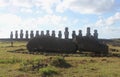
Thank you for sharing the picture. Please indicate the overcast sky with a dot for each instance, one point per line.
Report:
(103, 15)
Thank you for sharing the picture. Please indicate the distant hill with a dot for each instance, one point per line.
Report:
(114, 42)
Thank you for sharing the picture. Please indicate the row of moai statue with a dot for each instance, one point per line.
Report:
(66, 34)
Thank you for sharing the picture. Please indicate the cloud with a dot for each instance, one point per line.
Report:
(109, 21)
(86, 6)
(21, 3)
(49, 6)
(113, 19)
(9, 19)
(3, 3)
(47, 22)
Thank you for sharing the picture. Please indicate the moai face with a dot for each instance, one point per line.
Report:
(26, 35)
(47, 33)
(37, 33)
(21, 31)
(42, 33)
(21, 34)
(66, 33)
(80, 33)
(60, 34)
(95, 31)
(16, 34)
(66, 29)
(95, 34)
(11, 35)
(26, 32)
(73, 34)
(31, 34)
(53, 33)
(88, 32)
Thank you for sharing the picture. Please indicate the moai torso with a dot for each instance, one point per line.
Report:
(88, 32)
(42, 33)
(11, 35)
(16, 34)
(73, 35)
(80, 33)
(26, 35)
(60, 34)
(95, 34)
(53, 33)
(47, 33)
(37, 34)
(31, 34)
(21, 34)
(66, 33)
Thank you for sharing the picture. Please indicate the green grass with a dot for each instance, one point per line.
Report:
(81, 66)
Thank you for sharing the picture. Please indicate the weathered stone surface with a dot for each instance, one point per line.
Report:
(90, 44)
(51, 44)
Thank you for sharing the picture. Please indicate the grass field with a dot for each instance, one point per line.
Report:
(81, 66)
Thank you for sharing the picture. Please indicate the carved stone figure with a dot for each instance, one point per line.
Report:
(88, 34)
(53, 33)
(42, 33)
(11, 35)
(95, 34)
(66, 33)
(47, 33)
(16, 34)
(60, 34)
(31, 34)
(80, 33)
(21, 34)
(73, 35)
(26, 35)
(37, 34)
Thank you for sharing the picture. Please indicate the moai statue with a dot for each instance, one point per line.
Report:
(16, 34)
(60, 34)
(53, 33)
(95, 34)
(47, 33)
(11, 35)
(21, 34)
(66, 33)
(26, 35)
(11, 38)
(37, 34)
(42, 33)
(88, 32)
(73, 35)
(80, 33)
(31, 34)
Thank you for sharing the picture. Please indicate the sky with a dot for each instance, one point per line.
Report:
(103, 15)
